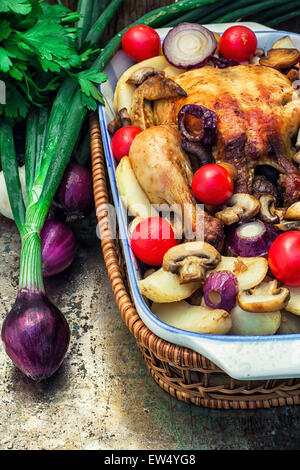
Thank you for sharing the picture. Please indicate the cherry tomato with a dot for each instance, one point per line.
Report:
(122, 140)
(284, 258)
(238, 43)
(141, 42)
(212, 184)
(151, 239)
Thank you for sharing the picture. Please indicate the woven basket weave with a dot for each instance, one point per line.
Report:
(183, 373)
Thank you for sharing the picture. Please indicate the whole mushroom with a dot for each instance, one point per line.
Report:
(191, 260)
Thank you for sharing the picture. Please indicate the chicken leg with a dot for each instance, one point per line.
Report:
(163, 171)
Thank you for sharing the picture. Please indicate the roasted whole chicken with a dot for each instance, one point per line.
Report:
(258, 113)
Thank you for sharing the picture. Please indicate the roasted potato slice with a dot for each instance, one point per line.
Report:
(289, 325)
(254, 324)
(164, 287)
(284, 43)
(130, 191)
(188, 317)
(249, 271)
(294, 303)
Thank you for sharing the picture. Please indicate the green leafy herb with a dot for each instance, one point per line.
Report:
(21, 7)
(38, 50)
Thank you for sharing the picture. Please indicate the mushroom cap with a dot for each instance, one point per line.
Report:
(267, 209)
(287, 225)
(240, 207)
(267, 297)
(191, 260)
(281, 58)
(140, 75)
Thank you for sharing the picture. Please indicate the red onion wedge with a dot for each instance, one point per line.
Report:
(220, 290)
(251, 239)
(189, 45)
(205, 119)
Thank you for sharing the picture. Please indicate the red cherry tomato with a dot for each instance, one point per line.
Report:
(238, 43)
(151, 239)
(284, 258)
(141, 42)
(122, 140)
(212, 184)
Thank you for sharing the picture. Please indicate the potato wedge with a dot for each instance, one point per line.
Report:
(249, 271)
(193, 318)
(294, 303)
(164, 287)
(130, 191)
(284, 43)
(254, 324)
(124, 91)
(290, 324)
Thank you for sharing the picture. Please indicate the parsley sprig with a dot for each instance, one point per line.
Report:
(37, 51)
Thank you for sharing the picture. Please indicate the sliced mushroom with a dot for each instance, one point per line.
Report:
(114, 125)
(267, 209)
(259, 52)
(267, 297)
(255, 60)
(188, 317)
(191, 260)
(293, 75)
(121, 120)
(240, 207)
(140, 75)
(155, 87)
(287, 225)
(293, 212)
(281, 58)
(257, 55)
(125, 118)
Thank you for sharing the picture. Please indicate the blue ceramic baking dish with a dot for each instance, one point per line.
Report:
(242, 357)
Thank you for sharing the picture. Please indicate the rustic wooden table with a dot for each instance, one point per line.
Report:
(103, 397)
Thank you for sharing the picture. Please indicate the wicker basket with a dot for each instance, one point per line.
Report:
(183, 373)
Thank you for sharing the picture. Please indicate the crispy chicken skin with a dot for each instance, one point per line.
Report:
(258, 114)
(163, 171)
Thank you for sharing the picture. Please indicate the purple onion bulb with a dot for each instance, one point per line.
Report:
(58, 247)
(36, 335)
(220, 290)
(75, 191)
